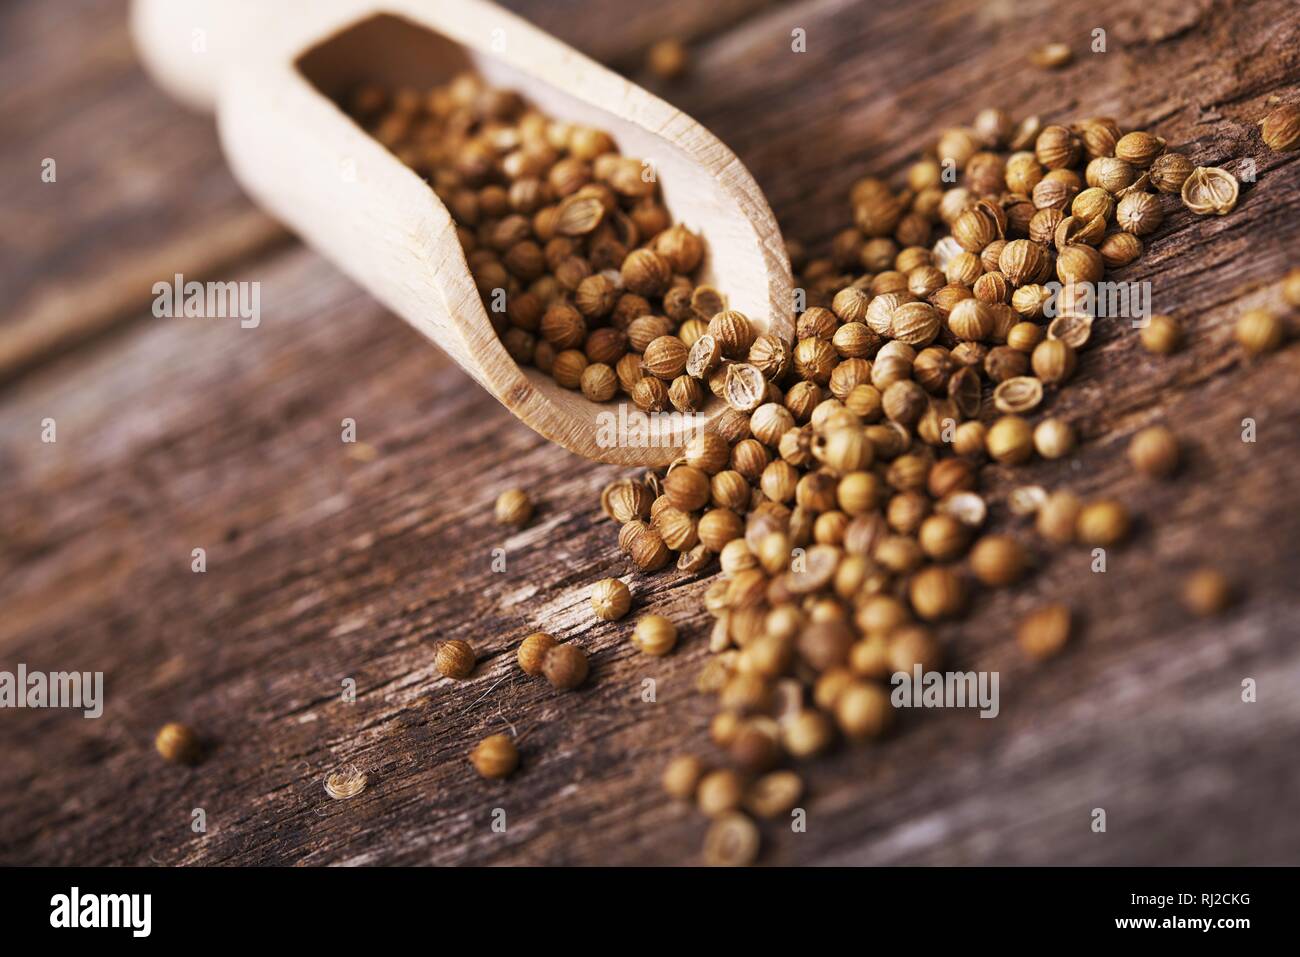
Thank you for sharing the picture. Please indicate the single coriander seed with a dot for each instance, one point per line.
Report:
(1291, 288)
(655, 635)
(1259, 331)
(732, 841)
(532, 652)
(514, 507)
(178, 743)
(1154, 451)
(1102, 523)
(610, 599)
(682, 776)
(1207, 592)
(1044, 633)
(998, 560)
(565, 667)
(1281, 128)
(455, 659)
(719, 792)
(1161, 335)
(1053, 439)
(495, 757)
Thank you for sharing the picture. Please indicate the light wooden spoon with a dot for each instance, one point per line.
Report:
(272, 72)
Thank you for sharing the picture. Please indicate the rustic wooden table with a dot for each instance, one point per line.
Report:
(324, 564)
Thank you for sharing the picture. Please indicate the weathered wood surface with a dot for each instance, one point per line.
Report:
(175, 434)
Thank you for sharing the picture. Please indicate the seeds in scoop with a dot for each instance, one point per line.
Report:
(532, 652)
(495, 757)
(514, 507)
(1044, 632)
(610, 599)
(1154, 451)
(565, 667)
(1207, 592)
(455, 659)
(178, 743)
(655, 635)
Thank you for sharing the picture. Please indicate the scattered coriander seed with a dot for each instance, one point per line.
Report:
(178, 743)
(667, 59)
(807, 733)
(565, 667)
(345, 782)
(1161, 335)
(495, 757)
(732, 841)
(1281, 128)
(1053, 438)
(1102, 523)
(1052, 56)
(1291, 288)
(514, 507)
(1154, 451)
(998, 560)
(863, 711)
(936, 592)
(682, 776)
(610, 599)
(719, 792)
(1044, 633)
(455, 659)
(1010, 440)
(1259, 331)
(1207, 592)
(655, 635)
(1210, 191)
(1058, 516)
(532, 652)
(774, 794)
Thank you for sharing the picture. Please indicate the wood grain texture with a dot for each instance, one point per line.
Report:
(322, 565)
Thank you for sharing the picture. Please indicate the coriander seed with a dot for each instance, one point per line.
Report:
(732, 841)
(1102, 523)
(1058, 516)
(936, 592)
(1010, 440)
(807, 733)
(178, 743)
(1053, 439)
(998, 560)
(863, 711)
(1281, 128)
(495, 757)
(774, 794)
(565, 667)
(1207, 592)
(682, 776)
(655, 635)
(1210, 191)
(1161, 335)
(532, 652)
(610, 599)
(1291, 288)
(719, 792)
(1259, 331)
(1044, 632)
(514, 507)
(1154, 451)
(455, 659)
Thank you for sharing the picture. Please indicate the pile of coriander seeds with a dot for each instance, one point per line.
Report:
(596, 278)
(840, 489)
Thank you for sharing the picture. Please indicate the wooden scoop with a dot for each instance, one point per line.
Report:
(272, 72)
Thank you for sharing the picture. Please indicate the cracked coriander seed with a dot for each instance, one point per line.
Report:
(514, 507)
(610, 599)
(1210, 191)
(495, 757)
(565, 667)
(1154, 451)
(455, 659)
(178, 743)
(655, 635)
(532, 652)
